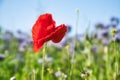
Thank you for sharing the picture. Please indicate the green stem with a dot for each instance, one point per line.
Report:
(116, 59)
(77, 20)
(33, 75)
(69, 65)
(44, 52)
(72, 66)
(59, 78)
(75, 40)
(107, 66)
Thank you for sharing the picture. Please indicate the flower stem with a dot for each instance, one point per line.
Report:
(77, 20)
(116, 59)
(107, 64)
(33, 74)
(43, 64)
(69, 64)
(74, 44)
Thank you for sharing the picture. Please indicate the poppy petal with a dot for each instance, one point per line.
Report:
(43, 23)
(44, 30)
(59, 33)
(37, 46)
(41, 29)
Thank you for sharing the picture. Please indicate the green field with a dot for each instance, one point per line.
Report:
(86, 59)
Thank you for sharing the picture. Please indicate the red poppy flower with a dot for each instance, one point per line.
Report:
(45, 29)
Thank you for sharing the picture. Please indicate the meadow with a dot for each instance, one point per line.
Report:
(93, 56)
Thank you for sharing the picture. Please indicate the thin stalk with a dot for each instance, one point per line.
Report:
(107, 65)
(116, 60)
(73, 56)
(43, 64)
(69, 64)
(33, 74)
(59, 78)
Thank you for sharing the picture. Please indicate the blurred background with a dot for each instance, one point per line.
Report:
(93, 37)
(21, 15)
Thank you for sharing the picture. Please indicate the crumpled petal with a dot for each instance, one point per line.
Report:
(43, 23)
(44, 30)
(59, 33)
(37, 45)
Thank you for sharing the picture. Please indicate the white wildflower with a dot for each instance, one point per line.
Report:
(40, 60)
(12, 78)
(58, 74)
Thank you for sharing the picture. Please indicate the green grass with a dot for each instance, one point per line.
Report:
(88, 65)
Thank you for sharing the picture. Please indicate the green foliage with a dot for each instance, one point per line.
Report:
(88, 64)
